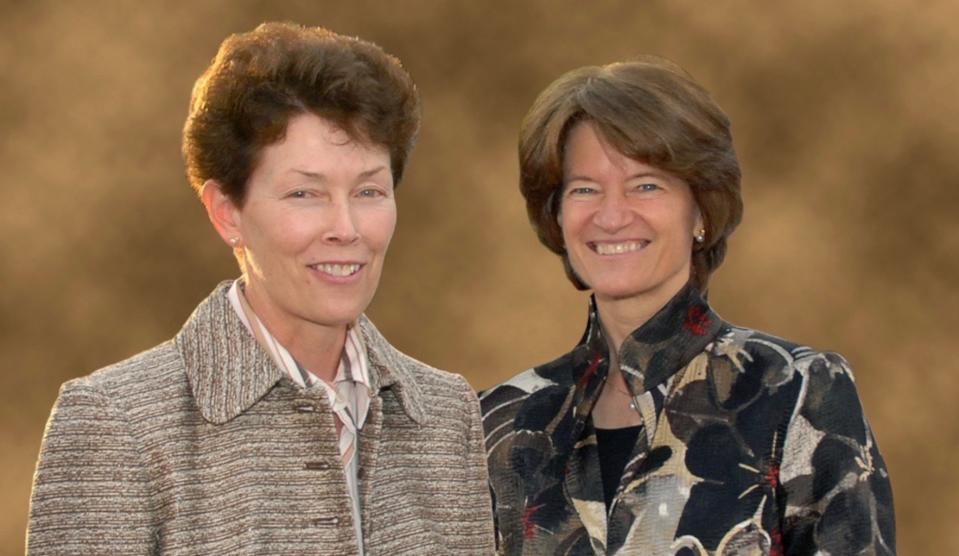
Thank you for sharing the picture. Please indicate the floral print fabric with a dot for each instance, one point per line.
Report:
(750, 445)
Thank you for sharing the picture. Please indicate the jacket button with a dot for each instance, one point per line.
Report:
(361, 473)
(304, 407)
(329, 521)
(317, 465)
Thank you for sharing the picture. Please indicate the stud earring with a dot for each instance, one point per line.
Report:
(234, 241)
(701, 236)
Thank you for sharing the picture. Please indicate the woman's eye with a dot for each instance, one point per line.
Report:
(299, 194)
(647, 187)
(581, 190)
(371, 192)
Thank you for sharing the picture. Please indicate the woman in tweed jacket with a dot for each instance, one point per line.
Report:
(278, 420)
(667, 430)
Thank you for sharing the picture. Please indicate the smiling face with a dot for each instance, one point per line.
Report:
(314, 228)
(627, 226)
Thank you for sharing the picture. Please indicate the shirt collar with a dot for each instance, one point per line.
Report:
(229, 371)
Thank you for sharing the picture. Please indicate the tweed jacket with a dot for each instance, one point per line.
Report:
(202, 445)
(749, 445)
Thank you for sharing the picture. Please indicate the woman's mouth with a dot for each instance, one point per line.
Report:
(337, 270)
(617, 248)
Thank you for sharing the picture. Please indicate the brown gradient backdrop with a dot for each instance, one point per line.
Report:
(845, 119)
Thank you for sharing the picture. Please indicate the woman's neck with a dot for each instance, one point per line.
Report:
(315, 347)
(621, 316)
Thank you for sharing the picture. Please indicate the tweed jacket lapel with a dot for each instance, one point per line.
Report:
(391, 370)
(229, 372)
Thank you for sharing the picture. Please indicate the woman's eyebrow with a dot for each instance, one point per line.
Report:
(319, 176)
(316, 176)
(647, 174)
(638, 175)
(372, 171)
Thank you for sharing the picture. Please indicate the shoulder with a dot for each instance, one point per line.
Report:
(109, 409)
(132, 383)
(408, 372)
(529, 400)
(434, 381)
(769, 358)
(556, 373)
(790, 382)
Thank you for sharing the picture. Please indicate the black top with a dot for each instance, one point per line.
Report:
(614, 446)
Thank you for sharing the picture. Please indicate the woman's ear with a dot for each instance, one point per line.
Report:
(223, 213)
(555, 205)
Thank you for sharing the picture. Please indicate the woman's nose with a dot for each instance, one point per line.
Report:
(341, 227)
(613, 213)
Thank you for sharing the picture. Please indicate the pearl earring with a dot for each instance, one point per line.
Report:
(234, 241)
(701, 236)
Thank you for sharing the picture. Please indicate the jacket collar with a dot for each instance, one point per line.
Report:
(649, 357)
(229, 372)
(651, 354)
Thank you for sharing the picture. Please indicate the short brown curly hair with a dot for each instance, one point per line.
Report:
(650, 110)
(260, 79)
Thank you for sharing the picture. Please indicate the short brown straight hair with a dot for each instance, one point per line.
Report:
(652, 111)
(260, 79)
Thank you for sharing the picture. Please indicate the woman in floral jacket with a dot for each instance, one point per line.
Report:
(667, 430)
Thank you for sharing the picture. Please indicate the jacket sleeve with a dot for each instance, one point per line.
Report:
(838, 494)
(90, 490)
(473, 506)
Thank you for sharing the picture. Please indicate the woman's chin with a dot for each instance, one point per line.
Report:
(329, 312)
(617, 292)
(335, 318)
(633, 292)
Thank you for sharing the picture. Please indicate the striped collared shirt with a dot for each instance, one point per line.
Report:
(349, 395)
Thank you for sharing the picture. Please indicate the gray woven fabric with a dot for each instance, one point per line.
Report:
(202, 446)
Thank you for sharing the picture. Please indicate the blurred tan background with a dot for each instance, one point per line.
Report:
(845, 117)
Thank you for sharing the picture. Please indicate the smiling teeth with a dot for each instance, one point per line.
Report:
(617, 248)
(338, 269)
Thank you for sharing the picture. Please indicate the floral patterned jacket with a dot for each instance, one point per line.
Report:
(750, 445)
